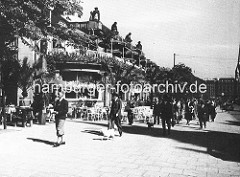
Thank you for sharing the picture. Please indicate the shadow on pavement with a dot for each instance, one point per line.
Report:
(99, 133)
(235, 115)
(95, 132)
(41, 141)
(223, 145)
(229, 122)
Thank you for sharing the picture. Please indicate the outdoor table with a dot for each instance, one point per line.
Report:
(81, 112)
(10, 110)
(24, 114)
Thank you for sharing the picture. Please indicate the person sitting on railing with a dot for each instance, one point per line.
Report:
(114, 28)
(128, 38)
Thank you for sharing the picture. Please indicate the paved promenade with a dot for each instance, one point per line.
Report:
(140, 152)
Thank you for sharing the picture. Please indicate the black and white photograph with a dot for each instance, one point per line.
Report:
(126, 88)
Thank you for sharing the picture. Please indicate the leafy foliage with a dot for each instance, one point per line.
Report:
(15, 72)
(30, 19)
(10, 71)
(25, 77)
(182, 73)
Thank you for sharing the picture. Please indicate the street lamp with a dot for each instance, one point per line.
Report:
(51, 8)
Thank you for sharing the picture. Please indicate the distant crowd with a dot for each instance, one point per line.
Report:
(170, 111)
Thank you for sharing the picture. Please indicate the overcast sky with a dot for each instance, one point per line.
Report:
(204, 34)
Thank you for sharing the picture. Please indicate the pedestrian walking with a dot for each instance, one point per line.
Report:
(178, 109)
(115, 113)
(37, 106)
(202, 114)
(195, 105)
(128, 109)
(61, 109)
(188, 111)
(212, 111)
(208, 109)
(157, 111)
(167, 115)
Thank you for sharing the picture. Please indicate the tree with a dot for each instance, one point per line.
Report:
(8, 74)
(151, 75)
(25, 77)
(120, 71)
(31, 18)
(182, 73)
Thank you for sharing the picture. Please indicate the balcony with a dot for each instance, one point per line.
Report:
(89, 25)
(88, 59)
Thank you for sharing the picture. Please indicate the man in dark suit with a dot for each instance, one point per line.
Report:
(61, 109)
(115, 113)
(167, 114)
(157, 111)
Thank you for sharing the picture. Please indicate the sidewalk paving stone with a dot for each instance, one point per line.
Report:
(187, 152)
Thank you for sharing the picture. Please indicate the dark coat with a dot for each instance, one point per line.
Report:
(167, 110)
(202, 111)
(94, 13)
(157, 109)
(188, 112)
(116, 108)
(114, 27)
(130, 104)
(62, 108)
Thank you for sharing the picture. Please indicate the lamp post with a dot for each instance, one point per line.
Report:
(51, 8)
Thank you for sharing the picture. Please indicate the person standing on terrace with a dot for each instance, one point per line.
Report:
(95, 15)
(139, 47)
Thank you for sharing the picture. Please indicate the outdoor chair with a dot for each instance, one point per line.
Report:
(98, 113)
(124, 115)
(91, 112)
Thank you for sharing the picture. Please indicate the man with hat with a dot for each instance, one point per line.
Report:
(115, 113)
